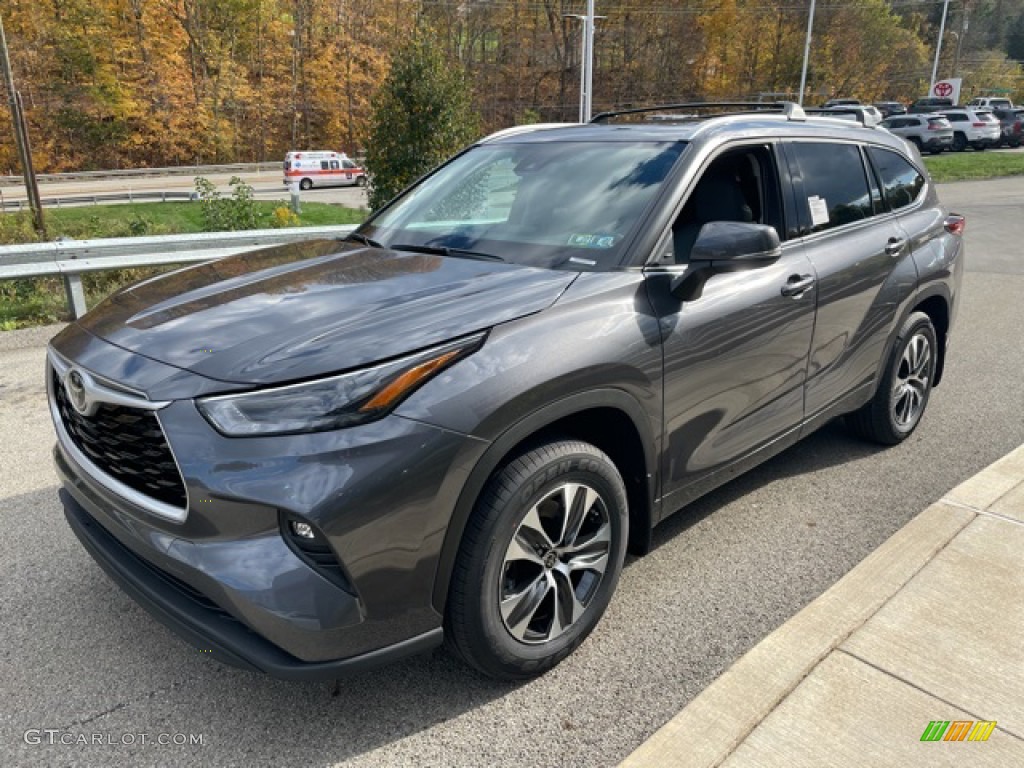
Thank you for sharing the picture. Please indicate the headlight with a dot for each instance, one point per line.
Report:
(339, 401)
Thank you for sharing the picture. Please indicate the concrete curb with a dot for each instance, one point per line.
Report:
(715, 723)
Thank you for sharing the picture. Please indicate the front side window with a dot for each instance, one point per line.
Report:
(901, 181)
(835, 185)
(549, 204)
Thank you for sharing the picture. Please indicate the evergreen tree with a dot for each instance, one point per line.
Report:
(422, 115)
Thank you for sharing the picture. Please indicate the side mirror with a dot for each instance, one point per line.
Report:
(726, 246)
(736, 241)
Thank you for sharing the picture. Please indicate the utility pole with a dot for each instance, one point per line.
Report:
(21, 137)
(807, 54)
(938, 48)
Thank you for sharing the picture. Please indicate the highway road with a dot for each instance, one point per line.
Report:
(267, 185)
(79, 657)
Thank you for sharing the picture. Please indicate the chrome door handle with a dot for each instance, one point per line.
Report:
(895, 246)
(797, 285)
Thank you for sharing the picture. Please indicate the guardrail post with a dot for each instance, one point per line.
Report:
(75, 294)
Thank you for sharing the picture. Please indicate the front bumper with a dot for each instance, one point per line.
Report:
(226, 576)
(202, 624)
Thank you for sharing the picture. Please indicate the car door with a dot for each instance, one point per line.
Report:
(735, 354)
(855, 247)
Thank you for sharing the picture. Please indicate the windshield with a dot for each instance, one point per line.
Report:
(547, 204)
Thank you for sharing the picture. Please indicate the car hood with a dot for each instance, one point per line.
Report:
(306, 309)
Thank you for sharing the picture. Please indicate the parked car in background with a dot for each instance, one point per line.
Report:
(989, 102)
(317, 457)
(1011, 126)
(929, 133)
(840, 103)
(931, 104)
(890, 108)
(977, 128)
(865, 114)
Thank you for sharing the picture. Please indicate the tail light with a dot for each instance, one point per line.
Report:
(978, 125)
(932, 127)
(955, 224)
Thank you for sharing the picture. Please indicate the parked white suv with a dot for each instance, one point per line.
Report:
(978, 128)
(988, 102)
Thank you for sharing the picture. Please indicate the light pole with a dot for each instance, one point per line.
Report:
(586, 59)
(938, 47)
(807, 53)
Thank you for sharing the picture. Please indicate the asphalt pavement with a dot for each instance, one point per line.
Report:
(80, 660)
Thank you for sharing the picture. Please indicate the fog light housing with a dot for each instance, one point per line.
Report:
(301, 529)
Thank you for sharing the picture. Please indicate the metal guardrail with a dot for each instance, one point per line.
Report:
(177, 170)
(106, 197)
(69, 259)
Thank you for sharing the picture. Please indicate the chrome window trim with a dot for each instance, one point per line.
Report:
(104, 394)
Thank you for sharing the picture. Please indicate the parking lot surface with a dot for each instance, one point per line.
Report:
(80, 660)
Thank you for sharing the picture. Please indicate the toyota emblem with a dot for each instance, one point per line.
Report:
(75, 386)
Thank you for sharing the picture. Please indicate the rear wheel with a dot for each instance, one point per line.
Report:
(980, 146)
(906, 384)
(539, 560)
(959, 142)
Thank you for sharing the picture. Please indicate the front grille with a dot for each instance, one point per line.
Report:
(126, 443)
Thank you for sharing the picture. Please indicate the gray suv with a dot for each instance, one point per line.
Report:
(317, 458)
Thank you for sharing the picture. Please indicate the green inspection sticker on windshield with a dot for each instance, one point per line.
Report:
(593, 241)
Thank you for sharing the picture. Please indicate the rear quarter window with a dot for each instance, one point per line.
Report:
(902, 183)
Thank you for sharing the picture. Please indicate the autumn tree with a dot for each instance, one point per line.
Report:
(423, 114)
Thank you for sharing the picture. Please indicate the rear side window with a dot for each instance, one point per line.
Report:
(901, 181)
(956, 117)
(939, 122)
(835, 185)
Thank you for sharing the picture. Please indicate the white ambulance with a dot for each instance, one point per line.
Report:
(322, 169)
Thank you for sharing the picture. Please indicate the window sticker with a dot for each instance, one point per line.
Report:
(593, 241)
(819, 210)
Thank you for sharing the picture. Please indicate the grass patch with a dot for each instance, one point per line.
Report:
(37, 301)
(965, 166)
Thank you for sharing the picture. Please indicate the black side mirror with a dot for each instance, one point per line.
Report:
(726, 246)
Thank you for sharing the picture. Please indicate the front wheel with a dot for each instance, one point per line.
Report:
(360, 181)
(959, 142)
(906, 384)
(539, 560)
(306, 184)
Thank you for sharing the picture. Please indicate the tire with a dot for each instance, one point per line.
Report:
(360, 181)
(935, 150)
(516, 606)
(980, 146)
(959, 142)
(894, 412)
(306, 184)
(917, 143)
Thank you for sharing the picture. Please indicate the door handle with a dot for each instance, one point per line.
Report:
(895, 246)
(797, 285)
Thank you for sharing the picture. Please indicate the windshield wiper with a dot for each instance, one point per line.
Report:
(445, 250)
(363, 239)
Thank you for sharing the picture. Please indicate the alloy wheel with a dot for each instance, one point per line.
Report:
(912, 380)
(554, 563)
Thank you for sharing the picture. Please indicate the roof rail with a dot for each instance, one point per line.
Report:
(790, 109)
